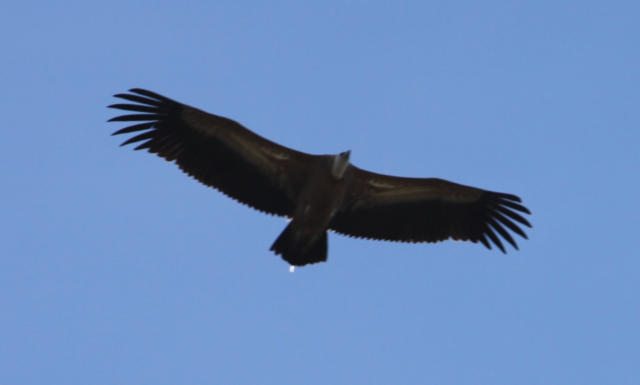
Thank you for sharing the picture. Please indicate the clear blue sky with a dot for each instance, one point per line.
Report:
(116, 268)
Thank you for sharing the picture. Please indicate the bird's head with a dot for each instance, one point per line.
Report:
(340, 163)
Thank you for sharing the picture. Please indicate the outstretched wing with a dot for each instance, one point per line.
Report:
(427, 210)
(217, 151)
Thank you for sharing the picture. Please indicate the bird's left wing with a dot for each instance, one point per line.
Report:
(217, 151)
(427, 210)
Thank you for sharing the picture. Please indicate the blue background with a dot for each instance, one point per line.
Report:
(116, 268)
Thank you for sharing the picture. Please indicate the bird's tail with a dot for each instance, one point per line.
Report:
(296, 251)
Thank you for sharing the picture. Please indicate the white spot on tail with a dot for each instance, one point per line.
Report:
(292, 269)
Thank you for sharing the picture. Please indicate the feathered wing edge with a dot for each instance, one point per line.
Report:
(444, 210)
(216, 151)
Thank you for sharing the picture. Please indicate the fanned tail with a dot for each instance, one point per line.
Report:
(295, 251)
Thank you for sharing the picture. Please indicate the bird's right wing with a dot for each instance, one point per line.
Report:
(217, 151)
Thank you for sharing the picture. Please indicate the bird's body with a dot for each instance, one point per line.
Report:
(306, 233)
(318, 192)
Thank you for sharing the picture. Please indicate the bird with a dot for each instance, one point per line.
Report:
(317, 193)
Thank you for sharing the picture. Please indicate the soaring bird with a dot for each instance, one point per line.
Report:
(317, 192)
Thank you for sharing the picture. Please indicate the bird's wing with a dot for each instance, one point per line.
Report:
(216, 151)
(427, 210)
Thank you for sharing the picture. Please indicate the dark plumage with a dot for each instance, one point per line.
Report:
(318, 192)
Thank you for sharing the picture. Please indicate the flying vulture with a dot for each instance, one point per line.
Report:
(317, 192)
